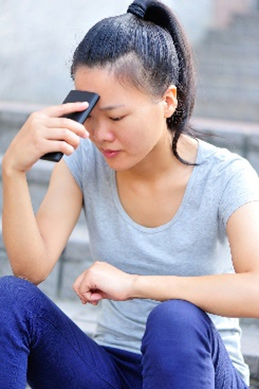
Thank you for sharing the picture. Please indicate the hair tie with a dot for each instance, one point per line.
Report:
(137, 9)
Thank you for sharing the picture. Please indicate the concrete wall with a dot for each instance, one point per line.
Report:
(38, 39)
(223, 10)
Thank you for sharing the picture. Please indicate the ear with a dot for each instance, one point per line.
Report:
(170, 101)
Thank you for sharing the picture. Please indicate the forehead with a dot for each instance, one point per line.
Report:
(103, 82)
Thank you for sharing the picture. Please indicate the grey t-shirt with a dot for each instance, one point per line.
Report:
(193, 243)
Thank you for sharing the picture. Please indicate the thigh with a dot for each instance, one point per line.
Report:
(182, 349)
(63, 356)
(38, 340)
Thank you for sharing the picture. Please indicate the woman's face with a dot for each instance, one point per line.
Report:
(126, 125)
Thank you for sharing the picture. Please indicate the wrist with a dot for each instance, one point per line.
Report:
(9, 170)
(159, 288)
(139, 287)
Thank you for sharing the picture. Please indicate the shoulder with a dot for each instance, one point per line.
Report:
(222, 163)
(229, 177)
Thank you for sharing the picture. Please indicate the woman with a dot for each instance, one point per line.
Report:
(172, 224)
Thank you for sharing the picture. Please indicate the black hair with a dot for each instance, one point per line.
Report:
(148, 48)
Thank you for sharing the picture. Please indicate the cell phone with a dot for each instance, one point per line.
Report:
(75, 96)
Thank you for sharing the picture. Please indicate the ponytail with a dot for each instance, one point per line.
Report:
(161, 15)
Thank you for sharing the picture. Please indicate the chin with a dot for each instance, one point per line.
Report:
(121, 165)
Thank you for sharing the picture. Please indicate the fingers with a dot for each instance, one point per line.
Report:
(84, 291)
(41, 119)
(65, 135)
(65, 109)
(51, 134)
(76, 288)
(44, 132)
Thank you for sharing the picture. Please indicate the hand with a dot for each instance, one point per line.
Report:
(45, 131)
(103, 281)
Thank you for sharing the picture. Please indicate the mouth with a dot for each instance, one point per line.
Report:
(110, 153)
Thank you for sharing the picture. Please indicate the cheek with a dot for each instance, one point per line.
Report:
(140, 138)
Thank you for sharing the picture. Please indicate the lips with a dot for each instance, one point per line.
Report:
(110, 153)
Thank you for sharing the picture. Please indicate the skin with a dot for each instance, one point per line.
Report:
(129, 126)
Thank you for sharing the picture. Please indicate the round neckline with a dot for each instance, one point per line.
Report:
(152, 230)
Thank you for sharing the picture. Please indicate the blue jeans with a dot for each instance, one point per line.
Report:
(180, 349)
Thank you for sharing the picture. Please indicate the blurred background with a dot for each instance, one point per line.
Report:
(37, 41)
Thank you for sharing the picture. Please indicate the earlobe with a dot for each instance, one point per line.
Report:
(170, 99)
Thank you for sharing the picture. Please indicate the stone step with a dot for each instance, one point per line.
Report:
(38, 180)
(245, 23)
(243, 27)
(227, 64)
(247, 48)
(250, 345)
(230, 80)
(231, 35)
(230, 91)
(225, 109)
(219, 64)
(12, 118)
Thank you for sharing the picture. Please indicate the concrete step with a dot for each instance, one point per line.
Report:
(230, 81)
(215, 64)
(246, 48)
(38, 180)
(232, 35)
(234, 92)
(250, 345)
(228, 71)
(225, 109)
(244, 27)
(246, 23)
(12, 117)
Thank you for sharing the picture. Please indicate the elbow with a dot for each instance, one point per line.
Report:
(36, 277)
(253, 297)
(36, 280)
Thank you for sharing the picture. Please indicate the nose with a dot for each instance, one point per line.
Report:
(101, 132)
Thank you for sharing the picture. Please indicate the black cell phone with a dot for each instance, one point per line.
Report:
(75, 96)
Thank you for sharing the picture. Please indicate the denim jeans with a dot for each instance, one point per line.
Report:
(38, 343)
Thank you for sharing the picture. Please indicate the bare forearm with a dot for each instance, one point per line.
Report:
(24, 244)
(231, 295)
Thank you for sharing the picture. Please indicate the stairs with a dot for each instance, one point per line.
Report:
(228, 71)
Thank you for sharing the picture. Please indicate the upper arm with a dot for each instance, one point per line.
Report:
(59, 210)
(243, 235)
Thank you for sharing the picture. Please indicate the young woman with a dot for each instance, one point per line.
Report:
(173, 224)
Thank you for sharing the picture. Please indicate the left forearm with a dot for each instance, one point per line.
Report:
(231, 295)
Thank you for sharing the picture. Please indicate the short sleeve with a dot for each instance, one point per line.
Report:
(74, 164)
(81, 162)
(242, 187)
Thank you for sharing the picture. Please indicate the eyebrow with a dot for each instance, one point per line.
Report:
(111, 107)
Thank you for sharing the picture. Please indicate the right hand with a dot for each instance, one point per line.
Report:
(45, 131)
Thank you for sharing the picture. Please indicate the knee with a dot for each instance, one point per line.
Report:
(172, 314)
(175, 322)
(14, 290)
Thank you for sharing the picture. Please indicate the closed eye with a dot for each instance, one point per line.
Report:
(117, 119)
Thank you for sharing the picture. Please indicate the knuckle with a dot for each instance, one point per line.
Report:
(63, 122)
(65, 133)
(65, 148)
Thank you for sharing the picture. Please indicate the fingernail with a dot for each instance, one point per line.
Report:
(86, 135)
